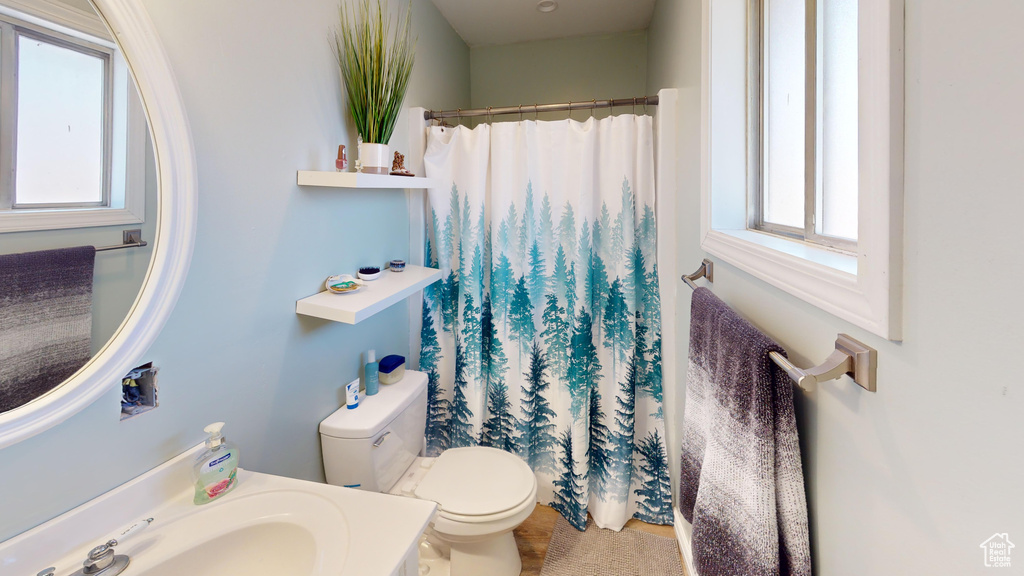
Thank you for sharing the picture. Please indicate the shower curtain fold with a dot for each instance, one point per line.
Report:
(543, 337)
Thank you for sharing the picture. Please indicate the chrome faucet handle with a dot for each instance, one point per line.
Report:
(97, 552)
(102, 560)
(48, 571)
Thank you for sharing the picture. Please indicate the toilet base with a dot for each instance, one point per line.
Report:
(434, 557)
(497, 556)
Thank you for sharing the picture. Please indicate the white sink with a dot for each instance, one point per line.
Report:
(266, 548)
(267, 525)
(283, 532)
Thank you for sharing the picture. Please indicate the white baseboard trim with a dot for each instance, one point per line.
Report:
(683, 532)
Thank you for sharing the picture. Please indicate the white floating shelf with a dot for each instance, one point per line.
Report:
(376, 295)
(360, 180)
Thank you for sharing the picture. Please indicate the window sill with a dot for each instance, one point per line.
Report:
(821, 277)
(821, 255)
(24, 221)
(830, 280)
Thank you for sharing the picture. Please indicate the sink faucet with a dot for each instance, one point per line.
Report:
(101, 560)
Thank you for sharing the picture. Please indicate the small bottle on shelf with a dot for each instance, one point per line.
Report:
(342, 162)
(372, 373)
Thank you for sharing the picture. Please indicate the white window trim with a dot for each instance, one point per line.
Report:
(865, 289)
(67, 20)
(52, 12)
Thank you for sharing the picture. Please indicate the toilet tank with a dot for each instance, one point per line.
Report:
(371, 446)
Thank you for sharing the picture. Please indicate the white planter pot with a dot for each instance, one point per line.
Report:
(374, 158)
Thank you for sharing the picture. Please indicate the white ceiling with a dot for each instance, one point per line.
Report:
(82, 5)
(489, 22)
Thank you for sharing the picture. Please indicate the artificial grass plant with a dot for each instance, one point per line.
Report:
(375, 57)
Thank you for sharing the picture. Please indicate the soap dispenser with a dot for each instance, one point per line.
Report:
(215, 470)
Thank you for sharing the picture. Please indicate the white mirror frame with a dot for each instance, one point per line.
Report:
(135, 34)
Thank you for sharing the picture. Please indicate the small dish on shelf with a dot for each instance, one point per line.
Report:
(397, 265)
(369, 273)
(342, 284)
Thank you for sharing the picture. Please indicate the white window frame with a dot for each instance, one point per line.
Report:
(864, 288)
(127, 170)
(759, 140)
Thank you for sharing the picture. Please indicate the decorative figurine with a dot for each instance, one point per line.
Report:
(398, 166)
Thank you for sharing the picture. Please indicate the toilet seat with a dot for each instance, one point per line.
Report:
(471, 485)
(476, 484)
(455, 527)
(528, 503)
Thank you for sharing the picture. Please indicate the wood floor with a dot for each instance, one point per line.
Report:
(533, 536)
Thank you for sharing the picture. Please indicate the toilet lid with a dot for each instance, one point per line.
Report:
(477, 481)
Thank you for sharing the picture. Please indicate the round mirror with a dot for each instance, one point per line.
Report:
(172, 183)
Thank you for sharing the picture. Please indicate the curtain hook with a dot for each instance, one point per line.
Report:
(570, 109)
(634, 105)
(458, 116)
(490, 117)
(535, 116)
(645, 105)
(520, 112)
(593, 106)
(440, 119)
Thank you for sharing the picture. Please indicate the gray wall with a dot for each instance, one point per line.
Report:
(261, 89)
(563, 70)
(673, 61)
(912, 479)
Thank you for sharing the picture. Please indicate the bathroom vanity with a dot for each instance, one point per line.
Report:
(266, 525)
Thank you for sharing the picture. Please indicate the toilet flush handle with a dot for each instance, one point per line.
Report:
(379, 441)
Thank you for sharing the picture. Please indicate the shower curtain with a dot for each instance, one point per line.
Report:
(543, 337)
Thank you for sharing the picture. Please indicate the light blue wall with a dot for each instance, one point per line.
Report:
(911, 479)
(262, 93)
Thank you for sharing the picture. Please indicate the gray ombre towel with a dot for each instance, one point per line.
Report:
(741, 486)
(45, 320)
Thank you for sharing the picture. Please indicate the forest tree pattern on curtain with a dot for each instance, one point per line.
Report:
(543, 337)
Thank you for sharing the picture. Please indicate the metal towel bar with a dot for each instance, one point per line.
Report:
(130, 239)
(706, 270)
(850, 356)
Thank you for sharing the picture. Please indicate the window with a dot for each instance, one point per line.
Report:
(61, 112)
(802, 150)
(72, 132)
(804, 108)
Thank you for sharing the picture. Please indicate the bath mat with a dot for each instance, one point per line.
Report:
(598, 551)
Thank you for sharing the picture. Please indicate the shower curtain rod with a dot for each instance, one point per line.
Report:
(537, 108)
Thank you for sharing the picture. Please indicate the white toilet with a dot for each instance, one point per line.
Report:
(482, 493)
